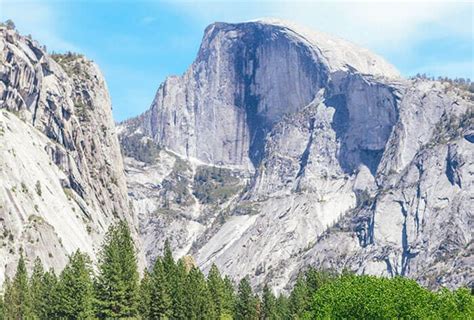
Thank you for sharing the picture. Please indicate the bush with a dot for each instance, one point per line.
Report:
(369, 297)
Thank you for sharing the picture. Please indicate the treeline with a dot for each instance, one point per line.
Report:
(178, 290)
(462, 83)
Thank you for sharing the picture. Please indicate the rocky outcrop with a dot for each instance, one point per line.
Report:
(343, 163)
(61, 170)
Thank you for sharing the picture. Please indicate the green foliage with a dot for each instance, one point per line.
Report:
(139, 147)
(215, 185)
(36, 286)
(179, 290)
(18, 304)
(161, 302)
(117, 289)
(216, 285)
(246, 304)
(145, 296)
(368, 297)
(198, 298)
(299, 298)
(269, 305)
(76, 290)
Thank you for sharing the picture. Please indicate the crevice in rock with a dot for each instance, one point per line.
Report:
(305, 156)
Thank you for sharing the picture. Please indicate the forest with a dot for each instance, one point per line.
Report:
(115, 289)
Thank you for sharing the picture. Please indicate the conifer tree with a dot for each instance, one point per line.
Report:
(216, 288)
(36, 287)
(299, 298)
(8, 299)
(282, 307)
(18, 303)
(175, 277)
(117, 282)
(228, 297)
(161, 303)
(268, 310)
(178, 292)
(246, 304)
(75, 290)
(199, 304)
(145, 296)
(2, 308)
(49, 304)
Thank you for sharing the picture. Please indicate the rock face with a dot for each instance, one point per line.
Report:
(281, 148)
(61, 170)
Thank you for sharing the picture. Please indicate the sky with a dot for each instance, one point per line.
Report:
(137, 44)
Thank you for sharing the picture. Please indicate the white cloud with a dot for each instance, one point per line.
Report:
(384, 25)
(40, 17)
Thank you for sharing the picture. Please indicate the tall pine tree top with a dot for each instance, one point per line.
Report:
(117, 282)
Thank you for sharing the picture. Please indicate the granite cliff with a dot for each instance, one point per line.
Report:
(61, 171)
(281, 147)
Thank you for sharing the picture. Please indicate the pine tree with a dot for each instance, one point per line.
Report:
(282, 307)
(246, 304)
(36, 287)
(216, 289)
(117, 281)
(299, 298)
(228, 298)
(161, 303)
(2, 308)
(75, 290)
(49, 306)
(145, 296)
(179, 296)
(268, 311)
(18, 303)
(315, 279)
(199, 304)
(8, 299)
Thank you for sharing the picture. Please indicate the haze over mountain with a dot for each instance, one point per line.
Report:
(279, 148)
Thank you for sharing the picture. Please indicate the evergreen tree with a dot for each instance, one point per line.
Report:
(169, 264)
(178, 292)
(145, 296)
(216, 285)
(175, 277)
(299, 298)
(246, 304)
(75, 290)
(49, 302)
(8, 300)
(228, 298)
(2, 308)
(36, 287)
(268, 311)
(18, 304)
(198, 299)
(315, 279)
(117, 285)
(282, 307)
(161, 303)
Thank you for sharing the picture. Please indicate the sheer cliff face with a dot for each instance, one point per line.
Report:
(61, 171)
(281, 147)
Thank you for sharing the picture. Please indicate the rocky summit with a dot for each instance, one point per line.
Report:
(61, 170)
(278, 149)
(281, 147)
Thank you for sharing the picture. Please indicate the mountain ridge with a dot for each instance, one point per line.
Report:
(316, 145)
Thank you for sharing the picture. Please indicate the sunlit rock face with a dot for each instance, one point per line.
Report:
(61, 171)
(282, 147)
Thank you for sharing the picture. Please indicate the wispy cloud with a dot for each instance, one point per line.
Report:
(40, 17)
(375, 23)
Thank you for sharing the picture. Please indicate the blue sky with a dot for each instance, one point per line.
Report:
(138, 43)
